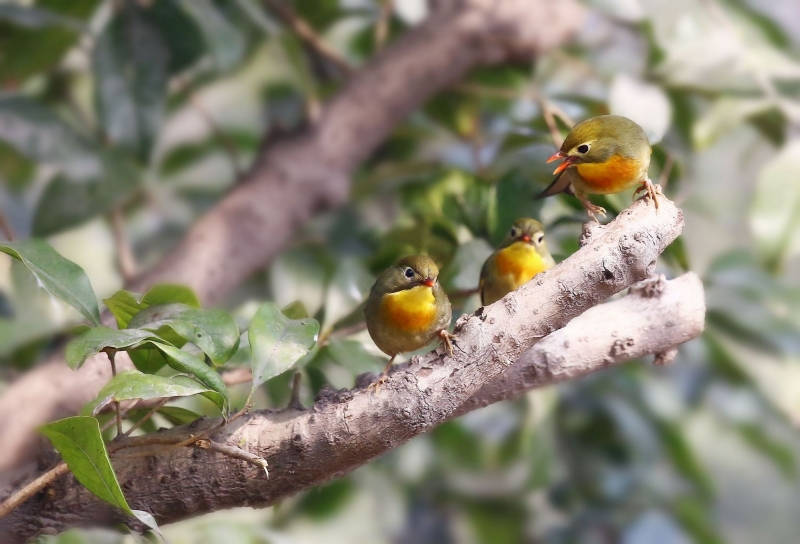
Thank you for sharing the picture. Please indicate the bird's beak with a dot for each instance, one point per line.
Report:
(429, 282)
(564, 165)
(526, 238)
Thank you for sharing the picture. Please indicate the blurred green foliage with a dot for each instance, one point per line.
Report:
(153, 109)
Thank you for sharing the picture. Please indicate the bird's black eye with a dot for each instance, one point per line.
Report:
(409, 273)
(514, 232)
(583, 148)
(540, 239)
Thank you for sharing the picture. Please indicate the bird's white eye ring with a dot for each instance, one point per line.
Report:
(583, 148)
(540, 239)
(409, 273)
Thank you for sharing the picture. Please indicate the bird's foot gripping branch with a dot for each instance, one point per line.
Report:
(538, 326)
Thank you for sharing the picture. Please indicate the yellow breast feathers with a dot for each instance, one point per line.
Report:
(412, 309)
(521, 261)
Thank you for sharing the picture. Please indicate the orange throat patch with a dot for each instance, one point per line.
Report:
(613, 176)
(412, 310)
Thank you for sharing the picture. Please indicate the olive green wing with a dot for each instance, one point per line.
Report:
(487, 265)
(562, 184)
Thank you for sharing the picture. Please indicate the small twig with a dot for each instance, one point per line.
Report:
(561, 114)
(160, 404)
(5, 226)
(32, 488)
(236, 376)
(294, 399)
(382, 26)
(221, 135)
(111, 353)
(234, 452)
(308, 35)
(107, 425)
(126, 261)
(550, 121)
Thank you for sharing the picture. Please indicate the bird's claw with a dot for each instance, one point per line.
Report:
(382, 379)
(651, 191)
(447, 340)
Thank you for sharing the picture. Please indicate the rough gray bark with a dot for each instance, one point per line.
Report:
(297, 178)
(345, 430)
(641, 323)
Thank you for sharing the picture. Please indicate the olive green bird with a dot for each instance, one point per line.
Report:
(407, 308)
(520, 256)
(603, 155)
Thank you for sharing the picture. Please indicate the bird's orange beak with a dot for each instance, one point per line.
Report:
(564, 165)
(526, 238)
(429, 282)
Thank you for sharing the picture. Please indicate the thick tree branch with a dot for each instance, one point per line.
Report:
(347, 429)
(299, 177)
(606, 335)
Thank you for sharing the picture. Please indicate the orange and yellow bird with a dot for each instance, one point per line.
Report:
(520, 256)
(407, 308)
(603, 155)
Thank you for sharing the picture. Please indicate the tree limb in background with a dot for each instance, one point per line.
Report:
(347, 429)
(297, 178)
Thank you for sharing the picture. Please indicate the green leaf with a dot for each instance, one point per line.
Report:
(129, 62)
(16, 333)
(16, 170)
(38, 133)
(226, 44)
(725, 115)
(183, 361)
(168, 293)
(775, 212)
(27, 49)
(213, 331)
(80, 444)
(97, 339)
(123, 305)
(188, 154)
(113, 179)
(326, 500)
(177, 415)
(63, 278)
(277, 342)
(89, 177)
(515, 197)
(295, 310)
(132, 384)
(36, 17)
(693, 516)
(464, 270)
(683, 458)
(780, 454)
(185, 47)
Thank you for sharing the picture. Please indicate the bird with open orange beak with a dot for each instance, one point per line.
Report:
(603, 155)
